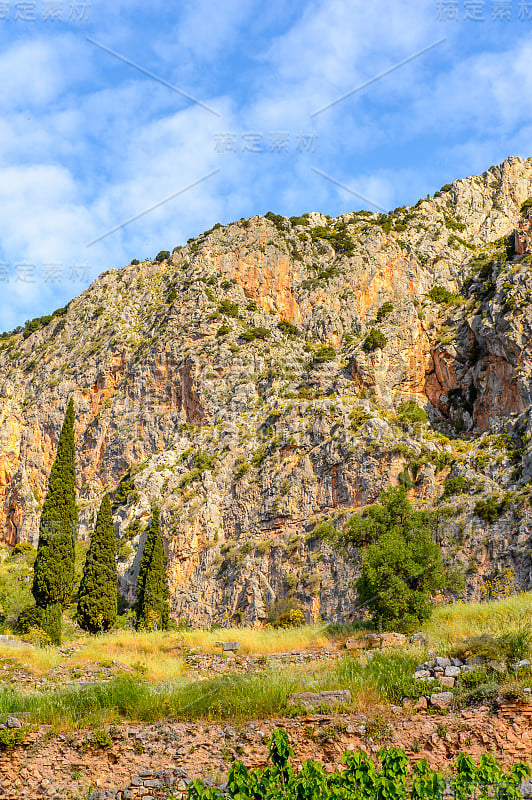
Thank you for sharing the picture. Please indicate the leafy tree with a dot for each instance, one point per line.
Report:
(401, 564)
(151, 604)
(97, 592)
(53, 575)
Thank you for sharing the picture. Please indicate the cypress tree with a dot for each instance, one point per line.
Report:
(97, 590)
(152, 588)
(53, 575)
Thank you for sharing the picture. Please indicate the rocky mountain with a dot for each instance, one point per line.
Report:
(259, 382)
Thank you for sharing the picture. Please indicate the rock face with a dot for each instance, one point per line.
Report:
(235, 383)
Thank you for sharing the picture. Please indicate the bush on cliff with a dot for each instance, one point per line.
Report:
(375, 340)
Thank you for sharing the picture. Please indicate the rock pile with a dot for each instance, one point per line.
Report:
(444, 670)
(148, 785)
(375, 640)
(221, 664)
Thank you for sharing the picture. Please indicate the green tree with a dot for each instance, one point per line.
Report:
(53, 574)
(151, 605)
(401, 564)
(97, 591)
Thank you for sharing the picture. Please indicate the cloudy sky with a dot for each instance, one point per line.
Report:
(128, 127)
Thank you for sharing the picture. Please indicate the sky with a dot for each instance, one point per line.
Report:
(128, 128)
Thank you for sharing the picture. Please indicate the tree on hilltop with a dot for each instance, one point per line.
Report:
(97, 601)
(53, 575)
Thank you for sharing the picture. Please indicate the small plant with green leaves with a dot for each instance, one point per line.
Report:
(100, 740)
(10, 738)
(361, 778)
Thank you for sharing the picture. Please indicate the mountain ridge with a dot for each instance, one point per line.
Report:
(235, 382)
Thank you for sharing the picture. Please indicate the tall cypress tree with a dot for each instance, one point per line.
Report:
(97, 590)
(53, 575)
(151, 605)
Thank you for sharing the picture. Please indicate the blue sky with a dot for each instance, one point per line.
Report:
(88, 141)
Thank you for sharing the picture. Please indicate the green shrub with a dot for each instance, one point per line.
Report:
(294, 618)
(409, 411)
(124, 551)
(255, 333)
(100, 740)
(123, 490)
(135, 262)
(223, 330)
(338, 237)
(280, 222)
(456, 485)
(526, 205)
(383, 311)
(441, 295)
(358, 418)
(22, 548)
(11, 738)
(375, 340)
(30, 617)
(489, 509)
(228, 307)
(323, 354)
(162, 255)
(288, 328)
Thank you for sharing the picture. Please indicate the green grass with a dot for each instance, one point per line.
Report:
(258, 695)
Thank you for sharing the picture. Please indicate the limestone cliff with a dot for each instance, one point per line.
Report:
(235, 381)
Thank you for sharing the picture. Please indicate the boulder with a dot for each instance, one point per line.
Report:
(354, 644)
(441, 661)
(452, 672)
(393, 640)
(421, 704)
(230, 647)
(441, 699)
(13, 722)
(447, 682)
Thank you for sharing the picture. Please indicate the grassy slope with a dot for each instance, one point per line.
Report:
(160, 686)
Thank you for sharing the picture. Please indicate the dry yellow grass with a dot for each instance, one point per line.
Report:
(161, 655)
(454, 622)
